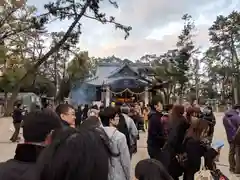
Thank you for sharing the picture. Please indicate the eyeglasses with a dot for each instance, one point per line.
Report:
(116, 117)
(67, 114)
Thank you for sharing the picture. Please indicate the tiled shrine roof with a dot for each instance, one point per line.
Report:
(109, 72)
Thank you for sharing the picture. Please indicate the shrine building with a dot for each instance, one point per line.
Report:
(117, 81)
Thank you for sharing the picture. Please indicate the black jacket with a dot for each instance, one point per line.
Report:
(177, 134)
(194, 151)
(78, 117)
(174, 143)
(155, 130)
(17, 115)
(210, 118)
(22, 166)
(65, 124)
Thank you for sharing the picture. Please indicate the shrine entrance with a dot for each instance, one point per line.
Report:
(127, 95)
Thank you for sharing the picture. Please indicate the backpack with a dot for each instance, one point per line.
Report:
(165, 124)
(122, 127)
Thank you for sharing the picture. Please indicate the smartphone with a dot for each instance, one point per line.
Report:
(218, 144)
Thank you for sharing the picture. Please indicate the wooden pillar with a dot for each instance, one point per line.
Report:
(146, 96)
(107, 96)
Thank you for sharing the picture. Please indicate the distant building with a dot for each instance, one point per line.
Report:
(113, 82)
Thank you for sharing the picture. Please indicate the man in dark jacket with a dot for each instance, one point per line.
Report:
(156, 138)
(37, 131)
(237, 143)
(231, 122)
(17, 119)
(78, 119)
(67, 114)
(208, 115)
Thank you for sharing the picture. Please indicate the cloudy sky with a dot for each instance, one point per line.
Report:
(156, 25)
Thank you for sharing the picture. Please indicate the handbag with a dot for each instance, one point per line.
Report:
(182, 158)
(218, 175)
(203, 173)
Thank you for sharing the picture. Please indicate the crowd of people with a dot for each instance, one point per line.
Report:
(97, 143)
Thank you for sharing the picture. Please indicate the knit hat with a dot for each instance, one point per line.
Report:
(38, 124)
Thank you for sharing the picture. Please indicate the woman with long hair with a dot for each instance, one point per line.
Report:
(72, 156)
(192, 112)
(193, 147)
(174, 143)
(151, 169)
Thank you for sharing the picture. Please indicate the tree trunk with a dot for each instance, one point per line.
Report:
(10, 102)
(181, 94)
(164, 94)
(5, 101)
(235, 63)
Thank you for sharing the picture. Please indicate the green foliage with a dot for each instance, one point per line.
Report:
(10, 77)
(225, 39)
(15, 20)
(185, 50)
(41, 86)
(78, 67)
(222, 58)
(75, 10)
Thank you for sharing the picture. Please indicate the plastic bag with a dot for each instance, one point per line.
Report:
(203, 173)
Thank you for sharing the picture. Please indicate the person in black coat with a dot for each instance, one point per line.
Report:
(39, 128)
(17, 119)
(85, 112)
(208, 115)
(194, 147)
(155, 140)
(78, 119)
(174, 143)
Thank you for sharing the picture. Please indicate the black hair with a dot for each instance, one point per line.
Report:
(91, 122)
(236, 106)
(95, 107)
(72, 155)
(38, 124)
(125, 109)
(63, 108)
(18, 105)
(155, 101)
(108, 114)
(151, 169)
(167, 107)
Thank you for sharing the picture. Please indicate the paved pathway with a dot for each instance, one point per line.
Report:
(7, 148)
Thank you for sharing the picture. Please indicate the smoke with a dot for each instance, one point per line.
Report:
(85, 94)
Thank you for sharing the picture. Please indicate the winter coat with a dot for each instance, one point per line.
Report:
(212, 122)
(174, 145)
(156, 137)
(133, 132)
(231, 122)
(17, 115)
(22, 166)
(120, 166)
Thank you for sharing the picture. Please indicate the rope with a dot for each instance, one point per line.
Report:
(127, 90)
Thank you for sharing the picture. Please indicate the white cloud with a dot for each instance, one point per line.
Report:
(170, 29)
(156, 25)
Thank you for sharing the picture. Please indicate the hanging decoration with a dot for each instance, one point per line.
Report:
(127, 90)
